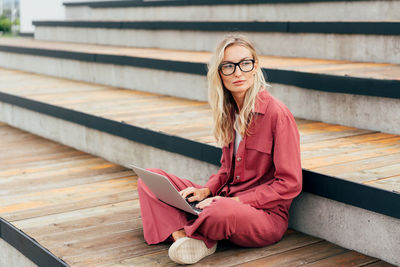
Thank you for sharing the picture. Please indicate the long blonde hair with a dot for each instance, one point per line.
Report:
(221, 100)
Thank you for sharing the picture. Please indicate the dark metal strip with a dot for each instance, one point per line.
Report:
(139, 3)
(336, 84)
(314, 81)
(365, 28)
(26, 34)
(359, 195)
(28, 246)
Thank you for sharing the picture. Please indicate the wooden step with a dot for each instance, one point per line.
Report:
(332, 150)
(326, 85)
(94, 219)
(368, 41)
(325, 147)
(242, 10)
(125, 127)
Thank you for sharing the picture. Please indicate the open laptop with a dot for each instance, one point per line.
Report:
(164, 190)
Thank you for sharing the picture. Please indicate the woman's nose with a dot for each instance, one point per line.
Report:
(237, 72)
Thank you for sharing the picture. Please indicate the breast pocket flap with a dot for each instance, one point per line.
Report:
(259, 144)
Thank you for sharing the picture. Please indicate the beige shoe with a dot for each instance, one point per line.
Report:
(188, 250)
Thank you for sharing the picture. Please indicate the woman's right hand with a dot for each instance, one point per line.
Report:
(198, 194)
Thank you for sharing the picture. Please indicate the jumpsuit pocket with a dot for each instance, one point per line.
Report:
(258, 157)
(264, 146)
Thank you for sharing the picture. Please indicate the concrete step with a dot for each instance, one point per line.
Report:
(150, 130)
(235, 10)
(354, 41)
(363, 95)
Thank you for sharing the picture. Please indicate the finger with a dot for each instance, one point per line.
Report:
(195, 197)
(198, 195)
(204, 203)
(186, 192)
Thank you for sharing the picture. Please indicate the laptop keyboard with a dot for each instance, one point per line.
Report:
(193, 205)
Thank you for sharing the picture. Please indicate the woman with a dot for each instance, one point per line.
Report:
(248, 200)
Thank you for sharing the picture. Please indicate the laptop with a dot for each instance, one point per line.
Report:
(165, 191)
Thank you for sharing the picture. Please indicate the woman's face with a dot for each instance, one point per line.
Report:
(239, 81)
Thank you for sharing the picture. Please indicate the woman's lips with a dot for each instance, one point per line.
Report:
(238, 82)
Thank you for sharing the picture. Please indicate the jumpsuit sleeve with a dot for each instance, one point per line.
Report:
(287, 181)
(219, 179)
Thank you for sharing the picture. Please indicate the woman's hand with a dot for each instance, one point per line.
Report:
(209, 200)
(206, 202)
(198, 194)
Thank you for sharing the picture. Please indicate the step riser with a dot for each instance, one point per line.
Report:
(322, 11)
(347, 226)
(357, 47)
(359, 111)
(311, 214)
(9, 256)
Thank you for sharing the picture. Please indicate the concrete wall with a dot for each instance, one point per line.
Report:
(323, 11)
(10, 257)
(375, 48)
(354, 228)
(39, 10)
(365, 112)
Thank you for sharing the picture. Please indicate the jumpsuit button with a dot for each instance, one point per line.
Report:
(239, 159)
(238, 177)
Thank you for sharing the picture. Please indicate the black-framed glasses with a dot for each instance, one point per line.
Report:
(244, 65)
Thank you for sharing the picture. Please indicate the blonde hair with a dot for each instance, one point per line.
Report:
(221, 100)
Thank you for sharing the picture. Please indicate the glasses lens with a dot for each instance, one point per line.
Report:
(246, 65)
(227, 69)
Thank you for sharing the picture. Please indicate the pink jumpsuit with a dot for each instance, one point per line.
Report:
(265, 175)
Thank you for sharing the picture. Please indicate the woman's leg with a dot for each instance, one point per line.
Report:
(160, 220)
(240, 223)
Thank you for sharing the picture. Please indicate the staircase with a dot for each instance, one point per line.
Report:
(125, 80)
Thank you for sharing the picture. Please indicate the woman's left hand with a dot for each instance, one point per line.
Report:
(208, 201)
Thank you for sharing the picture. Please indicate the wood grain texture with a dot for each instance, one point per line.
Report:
(86, 211)
(354, 154)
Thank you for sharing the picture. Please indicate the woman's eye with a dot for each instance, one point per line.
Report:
(227, 66)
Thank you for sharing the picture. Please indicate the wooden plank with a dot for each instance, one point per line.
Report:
(56, 177)
(65, 199)
(38, 185)
(390, 183)
(359, 165)
(24, 160)
(75, 227)
(327, 135)
(316, 159)
(300, 256)
(55, 168)
(349, 258)
(348, 140)
(29, 225)
(380, 264)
